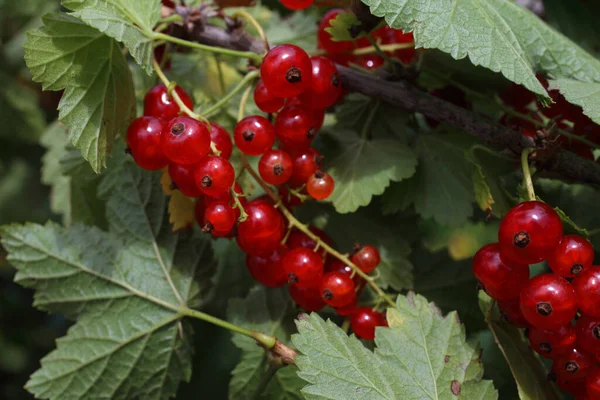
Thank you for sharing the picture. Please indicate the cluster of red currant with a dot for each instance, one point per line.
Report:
(339, 52)
(546, 304)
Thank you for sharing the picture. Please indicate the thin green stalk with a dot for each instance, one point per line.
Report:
(527, 181)
(243, 102)
(240, 86)
(257, 58)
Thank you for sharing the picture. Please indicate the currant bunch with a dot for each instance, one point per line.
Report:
(547, 304)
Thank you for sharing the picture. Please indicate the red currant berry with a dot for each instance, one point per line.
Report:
(265, 101)
(366, 257)
(575, 364)
(309, 299)
(296, 4)
(184, 180)
(510, 311)
(529, 232)
(268, 270)
(219, 216)
(588, 333)
(500, 278)
(304, 267)
(168, 3)
(220, 137)
(548, 301)
(364, 321)
(254, 135)
(275, 167)
(517, 96)
(395, 36)
(337, 289)
(143, 141)
(587, 290)
(262, 232)
(318, 118)
(571, 256)
(320, 185)
(297, 239)
(199, 208)
(324, 38)
(348, 309)
(592, 384)
(158, 103)
(370, 61)
(295, 126)
(326, 84)
(336, 265)
(305, 163)
(551, 344)
(214, 175)
(288, 199)
(286, 71)
(185, 140)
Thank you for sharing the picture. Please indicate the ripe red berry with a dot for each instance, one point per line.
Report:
(168, 3)
(575, 365)
(261, 233)
(268, 270)
(219, 217)
(324, 38)
(336, 265)
(592, 384)
(510, 310)
(366, 257)
(286, 71)
(289, 199)
(275, 167)
(337, 289)
(305, 163)
(320, 185)
(396, 36)
(143, 141)
(529, 232)
(158, 103)
(548, 301)
(265, 101)
(364, 321)
(572, 255)
(304, 267)
(551, 344)
(185, 140)
(370, 61)
(588, 333)
(587, 290)
(348, 309)
(297, 239)
(296, 4)
(295, 126)
(199, 208)
(309, 299)
(500, 278)
(214, 175)
(326, 84)
(517, 96)
(254, 135)
(220, 137)
(184, 180)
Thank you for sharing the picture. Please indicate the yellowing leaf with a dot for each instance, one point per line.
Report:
(181, 211)
(165, 182)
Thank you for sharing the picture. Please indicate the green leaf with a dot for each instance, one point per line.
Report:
(443, 189)
(268, 311)
(125, 288)
(575, 20)
(299, 28)
(526, 367)
(129, 22)
(496, 34)
(422, 355)
(55, 140)
(20, 111)
(98, 102)
(399, 196)
(341, 25)
(584, 94)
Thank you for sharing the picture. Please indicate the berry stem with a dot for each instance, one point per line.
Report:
(304, 229)
(241, 85)
(238, 204)
(379, 51)
(368, 50)
(249, 18)
(257, 58)
(527, 181)
(213, 148)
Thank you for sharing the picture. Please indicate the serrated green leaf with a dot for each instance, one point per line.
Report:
(526, 367)
(98, 102)
(571, 226)
(123, 287)
(55, 140)
(422, 355)
(444, 190)
(299, 28)
(269, 311)
(364, 168)
(340, 27)
(399, 196)
(496, 34)
(129, 22)
(584, 94)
